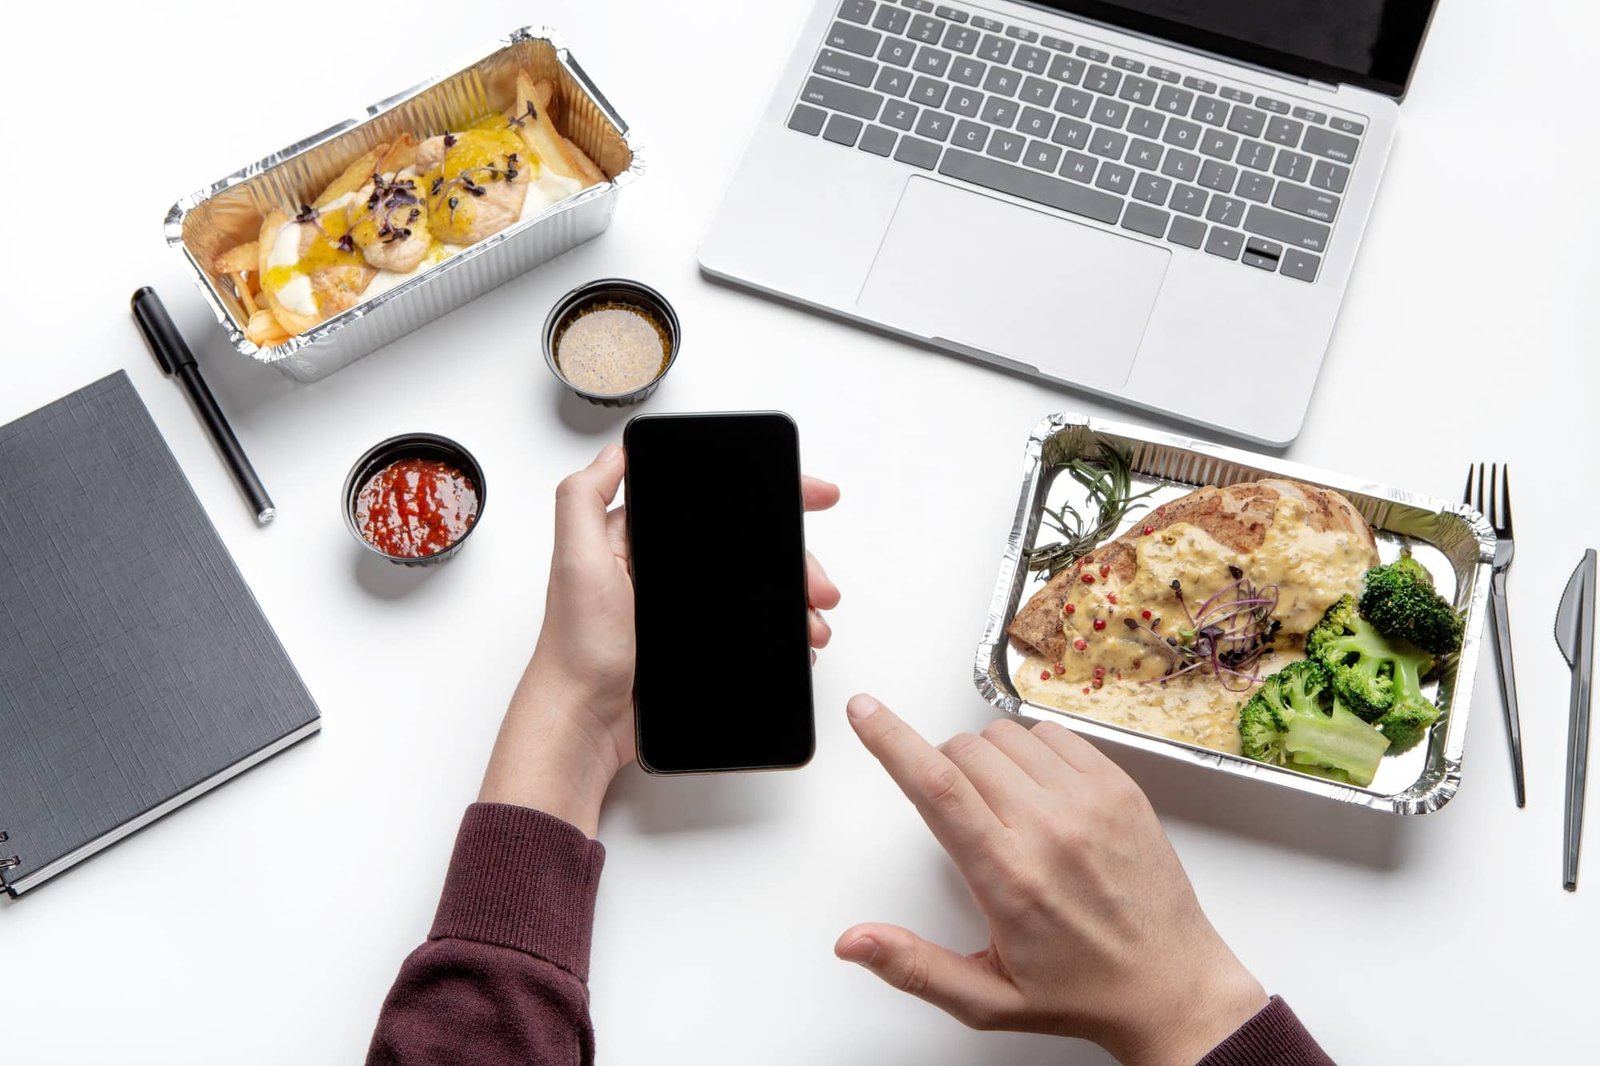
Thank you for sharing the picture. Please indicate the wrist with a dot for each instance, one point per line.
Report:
(1201, 1016)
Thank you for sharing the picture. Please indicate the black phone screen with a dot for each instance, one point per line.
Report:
(716, 541)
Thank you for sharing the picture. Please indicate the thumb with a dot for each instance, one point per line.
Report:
(966, 988)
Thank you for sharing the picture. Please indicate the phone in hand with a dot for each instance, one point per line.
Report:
(716, 540)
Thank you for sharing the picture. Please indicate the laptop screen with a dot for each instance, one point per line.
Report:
(1370, 43)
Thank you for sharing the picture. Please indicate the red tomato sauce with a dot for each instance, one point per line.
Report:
(416, 507)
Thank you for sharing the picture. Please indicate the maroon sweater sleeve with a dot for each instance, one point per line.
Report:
(1273, 1037)
(503, 975)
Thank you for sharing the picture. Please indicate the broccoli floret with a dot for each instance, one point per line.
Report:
(1336, 741)
(1370, 673)
(1288, 722)
(1293, 690)
(1399, 600)
(1406, 723)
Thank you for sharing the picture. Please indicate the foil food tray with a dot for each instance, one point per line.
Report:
(1454, 541)
(229, 211)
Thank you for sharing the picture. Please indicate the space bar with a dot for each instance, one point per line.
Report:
(1031, 185)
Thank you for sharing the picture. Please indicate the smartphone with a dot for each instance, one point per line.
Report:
(717, 549)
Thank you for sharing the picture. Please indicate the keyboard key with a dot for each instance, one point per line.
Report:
(1056, 44)
(1002, 80)
(1292, 165)
(935, 125)
(1036, 123)
(1138, 90)
(998, 111)
(877, 140)
(931, 61)
(852, 38)
(836, 97)
(1145, 154)
(991, 25)
(1238, 96)
(1037, 91)
(856, 10)
(917, 5)
(1259, 261)
(896, 51)
(893, 81)
(1067, 69)
(807, 119)
(1326, 143)
(1257, 187)
(951, 13)
(1199, 85)
(1163, 74)
(1210, 110)
(1330, 176)
(1344, 125)
(996, 49)
(1187, 232)
(1189, 200)
(891, 19)
(1108, 143)
(1109, 112)
(1145, 123)
(1267, 103)
(1225, 242)
(1248, 121)
(1102, 79)
(1284, 131)
(1181, 165)
(1072, 133)
(964, 102)
(899, 115)
(967, 71)
(1151, 188)
(1124, 63)
(1079, 167)
(1309, 115)
(1299, 265)
(926, 29)
(1074, 102)
(1261, 247)
(963, 39)
(1031, 185)
(918, 153)
(1181, 134)
(1290, 229)
(1147, 220)
(1174, 101)
(845, 67)
(1226, 210)
(1021, 34)
(969, 134)
(1312, 203)
(1255, 155)
(1114, 177)
(1218, 145)
(928, 92)
(1093, 55)
(1006, 145)
(1041, 156)
(1031, 59)
(842, 129)
(1218, 176)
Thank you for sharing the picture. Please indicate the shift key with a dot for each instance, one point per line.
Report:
(1290, 229)
(1031, 185)
(837, 97)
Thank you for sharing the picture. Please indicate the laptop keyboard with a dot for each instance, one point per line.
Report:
(1156, 150)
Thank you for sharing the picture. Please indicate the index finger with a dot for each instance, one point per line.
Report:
(947, 801)
(817, 494)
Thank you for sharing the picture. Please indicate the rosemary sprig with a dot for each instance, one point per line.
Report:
(1107, 476)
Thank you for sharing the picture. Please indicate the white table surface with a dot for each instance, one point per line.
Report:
(264, 923)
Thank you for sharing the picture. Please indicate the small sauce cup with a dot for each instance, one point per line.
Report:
(600, 341)
(460, 495)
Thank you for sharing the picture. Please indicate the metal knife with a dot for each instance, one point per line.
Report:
(1575, 635)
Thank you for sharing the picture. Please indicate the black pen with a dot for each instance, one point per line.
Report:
(176, 360)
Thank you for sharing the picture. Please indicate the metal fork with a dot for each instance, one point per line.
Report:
(1496, 506)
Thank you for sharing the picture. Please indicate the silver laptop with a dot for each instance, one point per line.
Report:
(1156, 201)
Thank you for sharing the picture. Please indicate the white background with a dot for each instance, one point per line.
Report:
(264, 923)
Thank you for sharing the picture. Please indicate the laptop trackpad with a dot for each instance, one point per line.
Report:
(1031, 287)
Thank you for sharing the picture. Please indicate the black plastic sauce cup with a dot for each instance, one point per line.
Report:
(412, 446)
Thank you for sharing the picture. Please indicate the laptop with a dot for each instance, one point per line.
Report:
(1154, 201)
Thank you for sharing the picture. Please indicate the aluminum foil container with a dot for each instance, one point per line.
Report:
(229, 212)
(1454, 541)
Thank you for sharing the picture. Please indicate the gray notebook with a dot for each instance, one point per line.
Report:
(136, 670)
